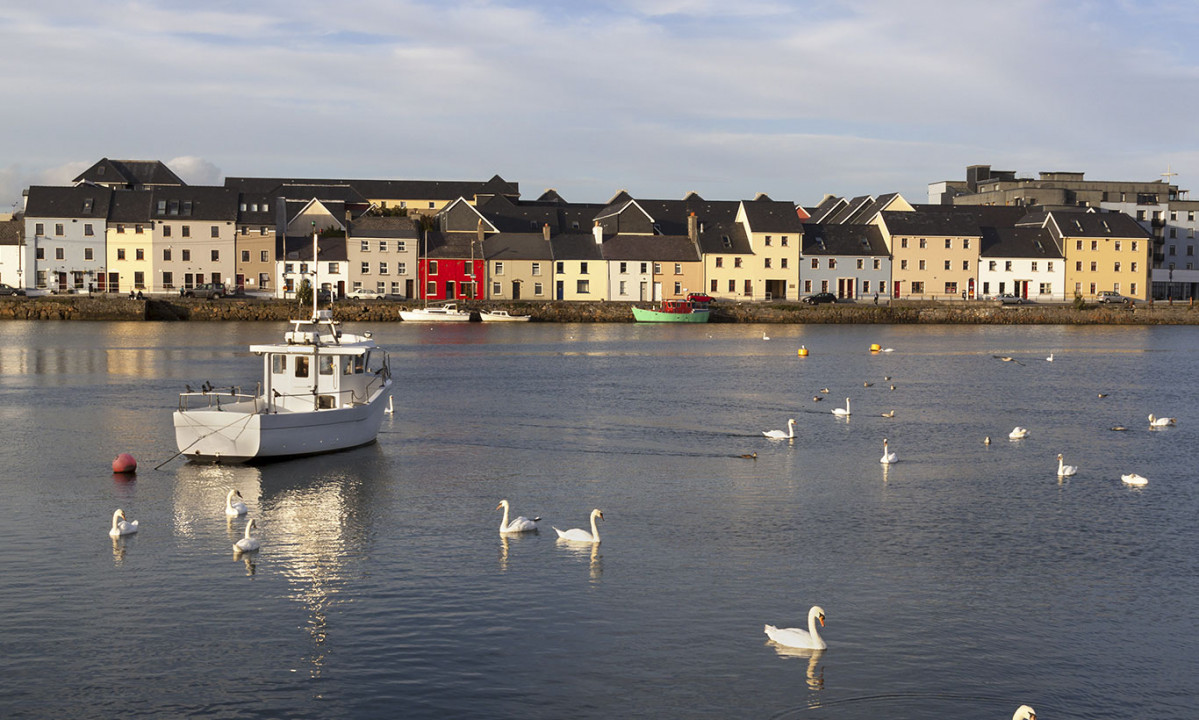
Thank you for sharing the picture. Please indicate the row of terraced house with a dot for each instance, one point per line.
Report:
(134, 226)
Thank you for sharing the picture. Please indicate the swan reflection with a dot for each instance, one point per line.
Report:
(505, 546)
(585, 552)
(815, 671)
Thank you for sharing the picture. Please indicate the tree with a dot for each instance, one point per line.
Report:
(304, 292)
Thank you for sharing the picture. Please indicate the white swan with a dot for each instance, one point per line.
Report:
(889, 414)
(1062, 469)
(779, 434)
(247, 543)
(1024, 712)
(888, 456)
(579, 535)
(120, 526)
(765, 336)
(520, 524)
(1134, 479)
(1050, 358)
(1160, 422)
(842, 412)
(1018, 433)
(796, 638)
(234, 509)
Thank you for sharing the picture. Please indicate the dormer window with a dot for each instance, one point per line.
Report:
(726, 241)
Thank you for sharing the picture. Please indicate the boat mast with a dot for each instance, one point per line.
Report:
(316, 268)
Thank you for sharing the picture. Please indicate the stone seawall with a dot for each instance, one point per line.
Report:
(81, 307)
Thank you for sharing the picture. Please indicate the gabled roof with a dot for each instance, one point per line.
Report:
(260, 209)
(129, 174)
(550, 195)
(767, 216)
(375, 226)
(850, 210)
(206, 202)
(517, 246)
(1019, 242)
(657, 248)
(843, 239)
(11, 231)
(828, 206)
(454, 245)
(575, 246)
(80, 201)
(131, 206)
(456, 216)
(331, 249)
(387, 189)
(956, 224)
(1071, 223)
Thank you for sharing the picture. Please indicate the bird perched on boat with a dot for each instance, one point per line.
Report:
(207, 386)
(1160, 422)
(751, 456)
(518, 524)
(120, 526)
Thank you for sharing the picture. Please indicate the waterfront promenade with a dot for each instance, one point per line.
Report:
(970, 312)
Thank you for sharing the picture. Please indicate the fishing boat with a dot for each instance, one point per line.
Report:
(501, 316)
(676, 311)
(322, 390)
(446, 312)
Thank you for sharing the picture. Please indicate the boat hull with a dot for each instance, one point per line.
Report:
(502, 317)
(238, 435)
(695, 316)
(433, 317)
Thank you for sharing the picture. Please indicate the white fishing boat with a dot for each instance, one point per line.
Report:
(446, 312)
(501, 316)
(322, 390)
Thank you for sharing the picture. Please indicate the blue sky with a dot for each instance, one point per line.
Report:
(658, 97)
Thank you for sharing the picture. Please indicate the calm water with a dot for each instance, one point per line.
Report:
(960, 583)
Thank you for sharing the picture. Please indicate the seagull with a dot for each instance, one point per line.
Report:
(892, 387)
(1102, 395)
(886, 377)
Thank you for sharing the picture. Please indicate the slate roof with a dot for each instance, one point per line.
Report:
(957, 224)
(376, 226)
(399, 189)
(1019, 242)
(267, 214)
(767, 216)
(11, 231)
(661, 248)
(517, 246)
(454, 245)
(1096, 224)
(46, 201)
(130, 206)
(843, 239)
(208, 202)
(299, 248)
(132, 174)
(575, 246)
(826, 208)
(850, 210)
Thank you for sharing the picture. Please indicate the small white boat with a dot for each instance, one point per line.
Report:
(501, 316)
(446, 312)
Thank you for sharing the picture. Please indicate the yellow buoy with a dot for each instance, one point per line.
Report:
(875, 347)
(802, 351)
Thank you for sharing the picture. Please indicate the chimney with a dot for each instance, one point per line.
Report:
(693, 227)
(598, 232)
(545, 232)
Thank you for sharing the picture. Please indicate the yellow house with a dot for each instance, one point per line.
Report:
(934, 254)
(1104, 252)
(775, 234)
(129, 243)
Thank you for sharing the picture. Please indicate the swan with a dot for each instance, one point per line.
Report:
(1050, 358)
(234, 509)
(889, 414)
(520, 524)
(888, 456)
(779, 434)
(1160, 422)
(1018, 433)
(1134, 479)
(579, 535)
(765, 336)
(1063, 469)
(120, 526)
(247, 543)
(842, 412)
(1024, 712)
(794, 637)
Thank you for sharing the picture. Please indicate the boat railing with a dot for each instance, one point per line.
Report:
(217, 399)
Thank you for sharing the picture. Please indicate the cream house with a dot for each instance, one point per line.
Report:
(934, 255)
(775, 233)
(1104, 251)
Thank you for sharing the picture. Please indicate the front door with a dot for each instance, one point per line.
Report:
(561, 290)
(449, 289)
(516, 290)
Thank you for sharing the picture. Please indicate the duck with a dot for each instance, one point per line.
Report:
(1024, 712)
(1155, 421)
(1102, 395)
(1007, 358)
(1062, 469)
(519, 524)
(1134, 479)
(247, 543)
(987, 440)
(842, 412)
(888, 456)
(1018, 433)
(794, 637)
(824, 390)
(817, 398)
(580, 535)
(750, 456)
(1118, 428)
(867, 384)
(120, 526)
(892, 387)
(779, 434)
(234, 509)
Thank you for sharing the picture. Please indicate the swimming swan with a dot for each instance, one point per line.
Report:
(119, 526)
(794, 637)
(779, 434)
(842, 412)
(1134, 479)
(234, 509)
(1024, 712)
(888, 456)
(1018, 433)
(579, 535)
(520, 524)
(246, 544)
(1160, 422)
(1062, 469)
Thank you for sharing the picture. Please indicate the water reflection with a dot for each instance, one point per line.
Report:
(505, 539)
(588, 552)
(815, 671)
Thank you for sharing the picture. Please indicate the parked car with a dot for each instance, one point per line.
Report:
(702, 298)
(10, 290)
(820, 298)
(1010, 299)
(365, 294)
(1110, 296)
(211, 291)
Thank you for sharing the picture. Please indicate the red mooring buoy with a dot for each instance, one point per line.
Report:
(124, 463)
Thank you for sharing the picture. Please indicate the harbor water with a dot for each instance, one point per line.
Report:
(960, 582)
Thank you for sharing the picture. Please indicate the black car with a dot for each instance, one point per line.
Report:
(10, 290)
(820, 298)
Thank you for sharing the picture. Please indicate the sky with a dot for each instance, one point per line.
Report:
(657, 97)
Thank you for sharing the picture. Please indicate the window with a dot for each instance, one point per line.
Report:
(583, 287)
(382, 246)
(783, 263)
(382, 268)
(922, 266)
(719, 262)
(1116, 287)
(301, 366)
(923, 243)
(537, 289)
(767, 241)
(623, 289)
(365, 246)
(732, 286)
(58, 228)
(120, 254)
(1190, 250)
(561, 267)
(432, 267)
(991, 265)
(39, 229)
(678, 268)
(499, 268)
(903, 264)
(657, 268)
(1078, 245)
(1049, 266)
(1094, 244)
(877, 263)
(1034, 265)
(948, 244)
(624, 268)
(139, 280)
(139, 253)
(749, 288)
(815, 264)
(245, 256)
(1007, 265)
(1094, 266)
(431, 288)
(288, 268)
(678, 288)
(1133, 267)
(1078, 266)
(187, 255)
(865, 286)
(496, 289)
(1134, 245)
(87, 230)
(366, 268)
(88, 254)
(965, 243)
(965, 264)
(401, 246)
(903, 242)
(1132, 288)
(1046, 288)
(582, 268)
(137, 229)
(1117, 267)
(832, 263)
(187, 231)
(278, 364)
(168, 281)
(948, 264)
(401, 268)
(216, 231)
(807, 286)
(1172, 250)
(736, 262)
(861, 263)
(1117, 246)
(917, 288)
(951, 288)
(536, 269)
(766, 263)
(166, 230)
(120, 229)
